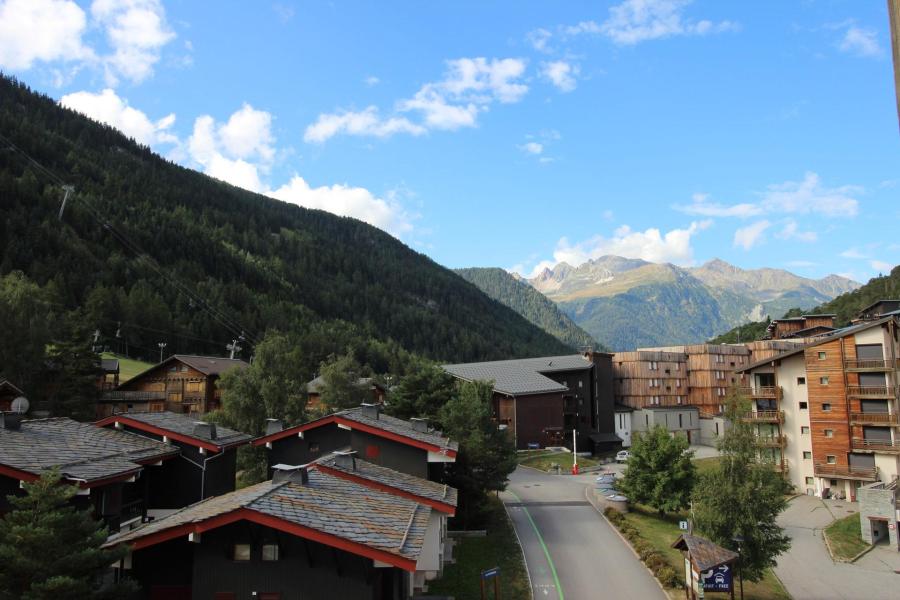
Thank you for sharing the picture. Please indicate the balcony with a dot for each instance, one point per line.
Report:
(871, 365)
(770, 441)
(765, 416)
(845, 472)
(870, 445)
(762, 391)
(133, 396)
(886, 419)
(871, 391)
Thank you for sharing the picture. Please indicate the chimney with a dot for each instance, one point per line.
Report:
(290, 473)
(345, 459)
(419, 424)
(205, 430)
(11, 421)
(273, 426)
(370, 410)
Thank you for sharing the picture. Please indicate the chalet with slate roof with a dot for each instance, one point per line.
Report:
(306, 531)
(407, 446)
(314, 391)
(180, 384)
(205, 466)
(109, 374)
(114, 470)
(541, 400)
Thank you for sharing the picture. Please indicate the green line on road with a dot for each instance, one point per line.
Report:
(559, 590)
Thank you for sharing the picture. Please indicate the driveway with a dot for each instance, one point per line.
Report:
(807, 570)
(572, 553)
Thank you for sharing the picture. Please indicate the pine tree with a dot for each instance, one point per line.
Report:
(422, 392)
(743, 496)
(74, 369)
(51, 550)
(341, 389)
(660, 473)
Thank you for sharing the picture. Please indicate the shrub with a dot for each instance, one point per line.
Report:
(669, 577)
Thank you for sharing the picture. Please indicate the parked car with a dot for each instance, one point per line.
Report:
(622, 456)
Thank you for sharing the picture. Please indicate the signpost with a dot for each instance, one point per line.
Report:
(491, 574)
(718, 579)
(707, 566)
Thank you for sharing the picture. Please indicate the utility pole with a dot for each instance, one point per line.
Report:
(575, 450)
(96, 339)
(233, 347)
(162, 346)
(894, 16)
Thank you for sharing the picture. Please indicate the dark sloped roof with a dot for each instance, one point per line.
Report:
(80, 450)
(410, 484)
(184, 425)
(399, 427)
(6, 383)
(109, 365)
(705, 554)
(210, 365)
(326, 503)
(522, 376)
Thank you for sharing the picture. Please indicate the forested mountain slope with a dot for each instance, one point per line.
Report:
(530, 303)
(259, 262)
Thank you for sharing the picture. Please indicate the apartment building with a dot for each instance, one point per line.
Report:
(804, 326)
(827, 412)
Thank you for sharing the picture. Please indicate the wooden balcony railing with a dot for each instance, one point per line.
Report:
(870, 391)
(762, 391)
(876, 445)
(765, 416)
(133, 396)
(875, 419)
(770, 441)
(845, 472)
(871, 364)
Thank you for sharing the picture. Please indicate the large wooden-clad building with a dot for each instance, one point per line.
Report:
(179, 384)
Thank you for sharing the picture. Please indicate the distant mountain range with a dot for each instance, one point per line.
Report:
(515, 293)
(626, 303)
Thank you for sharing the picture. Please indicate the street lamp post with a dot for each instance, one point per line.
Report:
(739, 539)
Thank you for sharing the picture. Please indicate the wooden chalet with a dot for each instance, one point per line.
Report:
(8, 393)
(306, 530)
(179, 384)
(109, 374)
(377, 392)
(206, 464)
(805, 326)
(113, 470)
(410, 447)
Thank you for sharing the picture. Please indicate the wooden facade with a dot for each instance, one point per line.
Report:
(802, 326)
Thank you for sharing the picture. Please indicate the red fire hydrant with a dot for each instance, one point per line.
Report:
(575, 469)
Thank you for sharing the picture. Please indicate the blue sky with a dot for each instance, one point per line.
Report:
(513, 134)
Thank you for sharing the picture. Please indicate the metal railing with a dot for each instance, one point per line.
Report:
(767, 416)
(762, 391)
(845, 472)
(874, 419)
(875, 445)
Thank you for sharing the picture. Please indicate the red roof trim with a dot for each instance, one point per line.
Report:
(17, 473)
(21, 475)
(355, 425)
(441, 506)
(160, 431)
(246, 514)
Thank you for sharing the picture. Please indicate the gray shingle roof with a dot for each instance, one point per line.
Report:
(410, 484)
(184, 425)
(400, 427)
(325, 503)
(211, 365)
(521, 376)
(109, 365)
(80, 450)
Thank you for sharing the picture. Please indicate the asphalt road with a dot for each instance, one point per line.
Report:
(572, 553)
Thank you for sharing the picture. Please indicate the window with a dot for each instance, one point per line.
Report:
(654, 365)
(807, 455)
(580, 383)
(810, 481)
(826, 407)
(804, 430)
(184, 368)
(823, 380)
(677, 383)
(680, 425)
(372, 451)
(270, 552)
(720, 358)
(829, 433)
(720, 391)
(821, 356)
(801, 381)
(830, 459)
(833, 482)
(676, 366)
(314, 447)
(803, 406)
(241, 552)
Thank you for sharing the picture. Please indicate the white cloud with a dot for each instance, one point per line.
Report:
(749, 236)
(364, 123)
(469, 86)
(861, 42)
(348, 201)
(41, 31)
(532, 148)
(371, 80)
(539, 40)
(635, 21)
(248, 133)
(561, 74)
(809, 196)
(107, 107)
(791, 231)
(136, 30)
(701, 206)
(801, 264)
(651, 244)
(881, 266)
(853, 253)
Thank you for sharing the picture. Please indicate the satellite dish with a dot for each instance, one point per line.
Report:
(20, 405)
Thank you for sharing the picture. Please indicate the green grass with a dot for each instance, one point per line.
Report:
(473, 555)
(662, 531)
(845, 538)
(705, 465)
(543, 460)
(128, 367)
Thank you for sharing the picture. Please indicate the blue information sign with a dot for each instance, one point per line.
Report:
(718, 579)
(490, 573)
